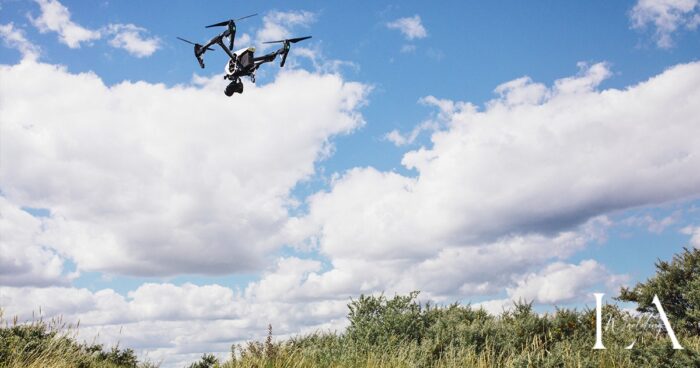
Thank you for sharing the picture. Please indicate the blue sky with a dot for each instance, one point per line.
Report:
(554, 153)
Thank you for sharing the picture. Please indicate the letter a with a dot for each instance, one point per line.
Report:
(664, 319)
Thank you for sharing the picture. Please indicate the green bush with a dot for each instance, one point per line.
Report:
(53, 344)
(677, 284)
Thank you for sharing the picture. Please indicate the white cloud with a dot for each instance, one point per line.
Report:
(130, 38)
(399, 139)
(409, 48)
(667, 16)
(694, 232)
(14, 38)
(445, 110)
(561, 283)
(558, 283)
(504, 191)
(278, 25)
(537, 164)
(319, 61)
(410, 27)
(139, 181)
(55, 17)
(652, 224)
(24, 260)
(243, 40)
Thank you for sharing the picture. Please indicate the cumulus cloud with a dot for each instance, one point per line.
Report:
(55, 17)
(558, 283)
(410, 27)
(14, 38)
(278, 25)
(131, 38)
(667, 17)
(445, 109)
(694, 232)
(505, 190)
(399, 139)
(138, 181)
(539, 163)
(24, 260)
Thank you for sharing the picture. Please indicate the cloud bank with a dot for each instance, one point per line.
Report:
(144, 179)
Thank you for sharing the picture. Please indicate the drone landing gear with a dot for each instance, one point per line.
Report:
(234, 87)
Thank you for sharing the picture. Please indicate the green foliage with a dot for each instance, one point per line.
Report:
(207, 361)
(400, 332)
(373, 319)
(53, 344)
(677, 284)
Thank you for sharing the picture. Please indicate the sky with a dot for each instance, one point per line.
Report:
(479, 152)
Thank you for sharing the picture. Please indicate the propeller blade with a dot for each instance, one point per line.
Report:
(247, 16)
(226, 22)
(290, 40)
(220, 24)
(192, 43)
(184, 40)
(295, 40)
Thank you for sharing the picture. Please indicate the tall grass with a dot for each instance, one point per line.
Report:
(53, 344)
(398, 332)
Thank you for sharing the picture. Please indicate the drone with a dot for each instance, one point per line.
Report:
(243, 62)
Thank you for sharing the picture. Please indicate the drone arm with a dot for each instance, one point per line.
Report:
(231, 33)
(226, 49)
(199, 50)
(269, 57)
(266, 58)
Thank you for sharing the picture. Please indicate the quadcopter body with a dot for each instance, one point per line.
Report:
(243, 62)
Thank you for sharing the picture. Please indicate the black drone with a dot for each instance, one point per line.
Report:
(242, 62)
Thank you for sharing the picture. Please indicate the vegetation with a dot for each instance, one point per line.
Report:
(401, 332)
(677, 283)
(40, 344)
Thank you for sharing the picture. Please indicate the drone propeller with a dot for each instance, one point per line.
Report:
(198, 50)
(286, 46)
(290, 40)
(226, 22)
(192, 43)
(231, 24)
